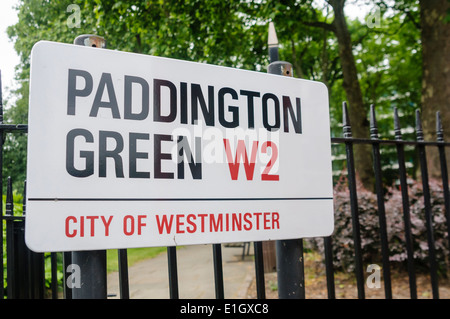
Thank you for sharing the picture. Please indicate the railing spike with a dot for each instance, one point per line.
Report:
(24, 201)
(373, 123)
(9, 198)
(397, 129)
(346, 127)
(419, 130)
(439, 131)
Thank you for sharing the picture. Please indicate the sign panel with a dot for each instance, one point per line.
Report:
(128, 150)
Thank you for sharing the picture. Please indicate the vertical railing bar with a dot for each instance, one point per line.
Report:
(36, 265)
(353, 203)
(173, 272)
(33, 269)
(218, 271)
(54, 275)
(259, 270)
(2, 293)
(329, 268)
(428, 213)
(67, 260)
(40, 273)
(405, 204)
(23, 286)
(444, 172)
(123, 274)
(36, 273)
(301, 267)
(380, 203)
(10, 243)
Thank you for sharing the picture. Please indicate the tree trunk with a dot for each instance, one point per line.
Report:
(357, 111)
(436, 76)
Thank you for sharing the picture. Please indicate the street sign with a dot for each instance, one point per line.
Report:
(129, 150)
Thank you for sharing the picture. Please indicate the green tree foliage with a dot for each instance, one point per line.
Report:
(233, 33)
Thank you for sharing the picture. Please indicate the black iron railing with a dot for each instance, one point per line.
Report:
(25, 269)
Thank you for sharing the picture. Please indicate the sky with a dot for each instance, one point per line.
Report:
(9, 58)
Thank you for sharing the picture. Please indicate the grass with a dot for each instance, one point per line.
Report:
(134, 255)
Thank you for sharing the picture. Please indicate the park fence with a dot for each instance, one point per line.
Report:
(24, 272)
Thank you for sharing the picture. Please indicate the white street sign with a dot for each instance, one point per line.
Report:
(128, 150)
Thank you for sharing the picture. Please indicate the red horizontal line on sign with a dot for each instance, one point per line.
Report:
(178, 199)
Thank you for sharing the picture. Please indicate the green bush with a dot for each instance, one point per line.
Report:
(342, 238)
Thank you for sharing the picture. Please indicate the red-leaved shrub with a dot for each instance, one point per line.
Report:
(342, 238)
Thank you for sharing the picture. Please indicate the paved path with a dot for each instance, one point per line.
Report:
(149, 278)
